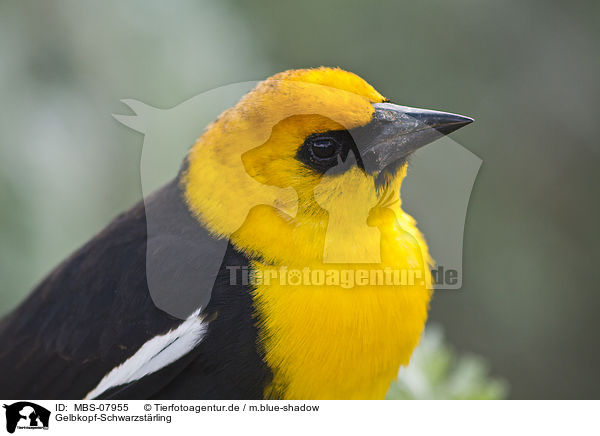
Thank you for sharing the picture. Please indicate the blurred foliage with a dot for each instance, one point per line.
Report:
(436, 372)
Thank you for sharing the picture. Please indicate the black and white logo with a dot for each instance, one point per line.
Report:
(26, 415)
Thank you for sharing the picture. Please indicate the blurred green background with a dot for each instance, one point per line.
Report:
(526, 71)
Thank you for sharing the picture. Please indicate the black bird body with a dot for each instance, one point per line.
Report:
(51, 351)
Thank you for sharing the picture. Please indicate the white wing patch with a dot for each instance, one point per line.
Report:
(157, 353)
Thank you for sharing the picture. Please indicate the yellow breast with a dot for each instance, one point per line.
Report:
(337, 330)
(324, 342)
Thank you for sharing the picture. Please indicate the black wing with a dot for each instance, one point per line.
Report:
(227, 364)
(96, 309)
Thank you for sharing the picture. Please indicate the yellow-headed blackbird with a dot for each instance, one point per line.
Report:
(268, 268)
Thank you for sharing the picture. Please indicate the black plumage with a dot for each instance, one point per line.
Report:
(95, 310)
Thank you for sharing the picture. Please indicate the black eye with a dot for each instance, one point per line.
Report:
(324, 148)
(322, 152)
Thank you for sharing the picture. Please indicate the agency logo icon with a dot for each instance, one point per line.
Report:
(26, 415)
(435, 193)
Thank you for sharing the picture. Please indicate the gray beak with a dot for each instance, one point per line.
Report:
(397, 131)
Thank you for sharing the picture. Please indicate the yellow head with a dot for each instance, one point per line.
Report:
(305, 141)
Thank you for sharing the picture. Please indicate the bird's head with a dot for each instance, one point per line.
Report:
(306, 140)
